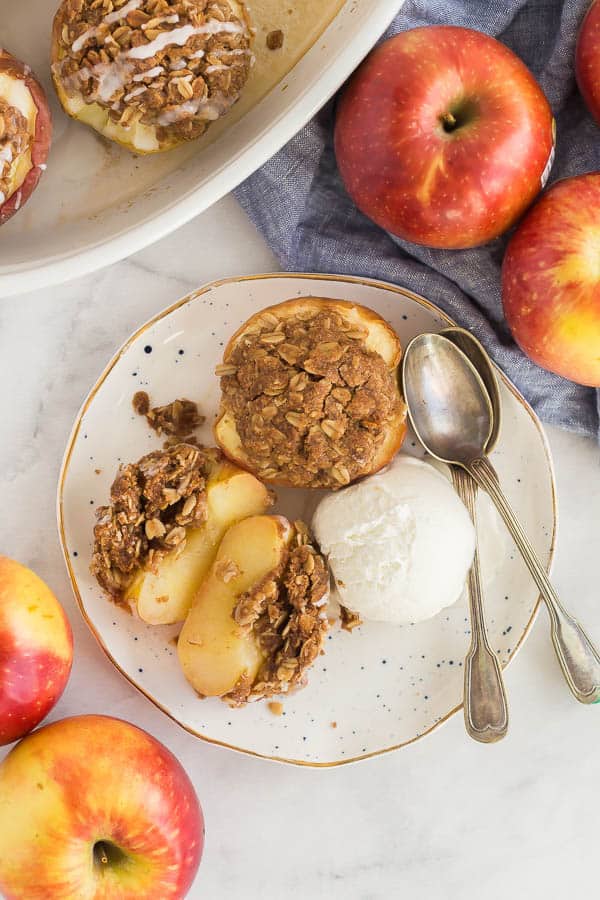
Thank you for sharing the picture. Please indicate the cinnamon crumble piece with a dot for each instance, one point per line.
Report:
(349, 619)
(286, 613)
(141, 403)
(178, 419)
(311, 403)
(275, 39)
(152, 502)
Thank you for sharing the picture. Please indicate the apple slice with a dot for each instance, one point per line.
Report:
(25, 134)
(257, 621)
(165, 596)
(310, 394)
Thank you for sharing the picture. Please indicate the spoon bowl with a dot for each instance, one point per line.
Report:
(473, 349)
(448, 403)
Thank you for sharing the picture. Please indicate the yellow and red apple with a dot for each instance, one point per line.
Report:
(443, 137)
(24, 117)
(93, 807)
(587, 59)
(36, 650)
(551, 280)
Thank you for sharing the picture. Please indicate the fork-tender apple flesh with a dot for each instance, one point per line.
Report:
(16, 93)
(137, 137)
(214, 652)
(166, 597)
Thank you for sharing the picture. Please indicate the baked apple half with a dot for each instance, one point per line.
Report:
(150, 74)
(259, 619)
(310, 395)
(25, 134)
(156, 541)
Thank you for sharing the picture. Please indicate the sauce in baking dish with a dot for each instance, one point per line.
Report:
(87, 174)
(301, 23)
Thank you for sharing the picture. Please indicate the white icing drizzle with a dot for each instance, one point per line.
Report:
(198, 54)
(208, 108)
(91, 33)
(134, 93)
(18, 199)
(150, 73)
(216, 68)
(42, 167)
(6, 154)
(111, 77)
(180, 37)
(2, 197)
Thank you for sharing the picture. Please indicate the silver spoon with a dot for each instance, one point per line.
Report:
(451, 413)
(485, 704)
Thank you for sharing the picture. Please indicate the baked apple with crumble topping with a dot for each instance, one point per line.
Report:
(25, 134)
(155, 542)
(150, 74)
(310, 395)
(259, 619)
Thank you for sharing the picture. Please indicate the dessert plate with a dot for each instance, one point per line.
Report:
(98, 203)
(380, 687)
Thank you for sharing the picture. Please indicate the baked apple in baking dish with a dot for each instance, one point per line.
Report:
(259, 618)
(25, 134)
(310, 395)
(155, 542)
(150, 74)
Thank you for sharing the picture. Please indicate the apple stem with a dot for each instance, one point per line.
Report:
(448, 121)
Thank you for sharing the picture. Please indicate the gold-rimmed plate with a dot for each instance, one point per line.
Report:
(374, 690)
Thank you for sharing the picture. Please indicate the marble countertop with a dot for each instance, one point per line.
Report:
(443, 819)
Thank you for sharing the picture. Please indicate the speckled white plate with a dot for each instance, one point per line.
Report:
(374, 690)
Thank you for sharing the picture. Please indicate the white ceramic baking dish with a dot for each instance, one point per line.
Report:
(98, 204)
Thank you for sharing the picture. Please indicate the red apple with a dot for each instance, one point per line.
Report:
(25, 134)
(587, 60)
(443, 137)
(551, 280)
(93, 807)
(36, 650)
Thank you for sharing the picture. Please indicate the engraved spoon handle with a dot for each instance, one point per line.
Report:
(485, 706)
(578, 658)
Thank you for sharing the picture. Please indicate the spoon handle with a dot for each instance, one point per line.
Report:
(578, 658)
(485, 706)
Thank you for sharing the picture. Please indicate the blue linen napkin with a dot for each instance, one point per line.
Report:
(299, 204)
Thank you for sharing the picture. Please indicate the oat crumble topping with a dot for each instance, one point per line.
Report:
(173, 64)
(286, 612)
(15, 140)
(178, 419)
(152, 502)
(311, 403)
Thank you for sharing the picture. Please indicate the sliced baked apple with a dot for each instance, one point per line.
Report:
(156, 541)
(310, 394)
(25, 134)
(258, 620)
(150, 76)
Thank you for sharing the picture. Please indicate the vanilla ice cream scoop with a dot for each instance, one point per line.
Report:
(399, 544)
